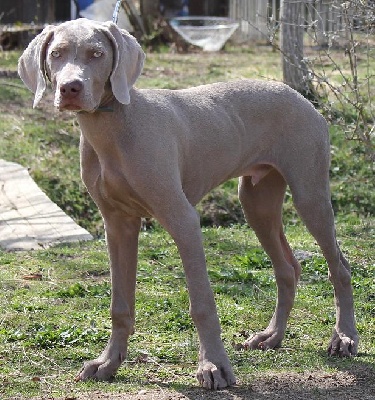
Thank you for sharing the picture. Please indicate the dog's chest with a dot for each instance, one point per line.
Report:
(116, 191)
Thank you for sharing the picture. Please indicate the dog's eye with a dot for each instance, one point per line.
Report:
(55, 54)
(97, 54)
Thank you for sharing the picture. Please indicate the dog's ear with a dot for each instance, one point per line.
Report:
(31, 65)
(127, 63)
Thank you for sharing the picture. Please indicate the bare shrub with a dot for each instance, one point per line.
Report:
(337, 61)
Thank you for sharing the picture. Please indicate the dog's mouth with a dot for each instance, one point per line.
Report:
(73, 106)
(80, 104)
(70, 107)
(67, 104)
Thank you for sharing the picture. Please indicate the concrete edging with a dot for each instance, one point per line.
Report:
(29, 220)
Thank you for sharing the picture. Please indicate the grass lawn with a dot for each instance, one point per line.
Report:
(50, 326)
(54, 303)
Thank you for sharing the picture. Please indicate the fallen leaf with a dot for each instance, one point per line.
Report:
(33, 277)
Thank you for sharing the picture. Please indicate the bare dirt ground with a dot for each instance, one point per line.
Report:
(358, 384)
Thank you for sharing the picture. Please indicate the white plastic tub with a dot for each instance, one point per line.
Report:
(210, 33)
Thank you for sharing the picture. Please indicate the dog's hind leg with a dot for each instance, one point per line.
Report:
(262, 205)
(313, 203)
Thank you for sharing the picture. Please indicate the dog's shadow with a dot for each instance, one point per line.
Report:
(352, 379)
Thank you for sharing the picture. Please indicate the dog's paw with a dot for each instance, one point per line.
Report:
(105, 366)
(215, 376)
(343, 345)
(98, 369)
(266, 340)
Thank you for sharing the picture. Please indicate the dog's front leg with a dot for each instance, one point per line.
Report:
(214, 369)
(122, 240)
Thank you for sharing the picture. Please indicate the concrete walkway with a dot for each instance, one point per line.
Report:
(28, 218)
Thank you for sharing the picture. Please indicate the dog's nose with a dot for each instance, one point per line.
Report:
(71, 89)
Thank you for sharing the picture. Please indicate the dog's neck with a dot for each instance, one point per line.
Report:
(99, 127)
(102, 129)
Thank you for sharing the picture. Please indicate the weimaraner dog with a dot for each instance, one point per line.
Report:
(158, 152)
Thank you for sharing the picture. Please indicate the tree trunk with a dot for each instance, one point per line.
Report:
(295, 71)
(150, 12)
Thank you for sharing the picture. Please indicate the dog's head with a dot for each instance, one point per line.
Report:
(82, 59)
